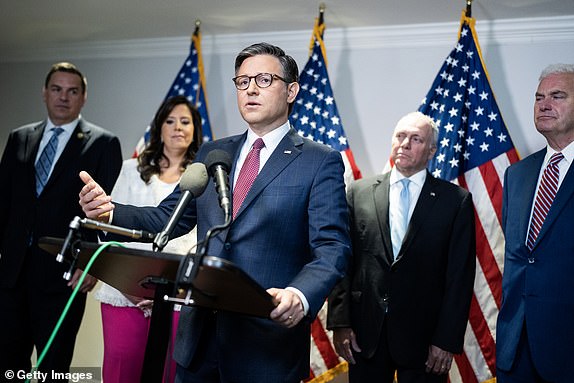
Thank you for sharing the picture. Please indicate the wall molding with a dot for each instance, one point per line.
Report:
(500, 32)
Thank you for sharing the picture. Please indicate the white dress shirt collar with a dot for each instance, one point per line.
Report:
(418, 178)
(270, 139)
(68, 128)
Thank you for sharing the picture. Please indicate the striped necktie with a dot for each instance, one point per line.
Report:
(544, 198)
(247, 175)
(44, 163)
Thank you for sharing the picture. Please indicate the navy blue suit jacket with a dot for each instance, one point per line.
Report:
(538, 286)
(292, 230)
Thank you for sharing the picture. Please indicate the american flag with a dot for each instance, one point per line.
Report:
(315, 116)
(190, 82)
(474, 149)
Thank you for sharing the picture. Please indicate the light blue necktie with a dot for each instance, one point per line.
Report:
(401, 219)
(44, 163)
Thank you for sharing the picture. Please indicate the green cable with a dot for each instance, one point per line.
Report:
(70, 300)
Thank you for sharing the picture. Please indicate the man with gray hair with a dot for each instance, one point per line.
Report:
(535, 340)
(403, 306)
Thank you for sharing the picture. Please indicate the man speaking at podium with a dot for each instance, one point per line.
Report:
(289, 232)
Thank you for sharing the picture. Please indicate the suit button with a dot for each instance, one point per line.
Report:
(227, 246)
(386, 303)
(530, 260)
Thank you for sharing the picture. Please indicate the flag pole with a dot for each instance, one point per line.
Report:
(197, 25)
(468, 12)
(318, 30)
(196, 36)
(322, 7)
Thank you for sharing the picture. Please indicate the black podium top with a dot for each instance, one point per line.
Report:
(219, 284)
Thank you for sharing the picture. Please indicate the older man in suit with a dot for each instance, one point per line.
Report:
(535, 339)
(403, 307)
(39, 167)
(290, 232)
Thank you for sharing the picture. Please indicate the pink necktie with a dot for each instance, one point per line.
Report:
(546, 193)
(247, 175)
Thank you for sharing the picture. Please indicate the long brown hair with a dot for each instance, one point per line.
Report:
(149, 159)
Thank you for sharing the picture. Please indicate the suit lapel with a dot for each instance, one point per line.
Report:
(80, 136)
(381, 202)
(232, 145)
(528, 179)
(428, 197)
(565, 194)
(287, 150)
(30, 150)
(33, 142)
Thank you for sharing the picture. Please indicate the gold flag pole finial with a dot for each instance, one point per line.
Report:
(468, 12)
(197, 25)
(322, 7)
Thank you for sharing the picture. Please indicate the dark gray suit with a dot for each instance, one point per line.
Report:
(424, 296)
(32, 289)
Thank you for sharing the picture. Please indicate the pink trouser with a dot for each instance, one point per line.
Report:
(125, 336)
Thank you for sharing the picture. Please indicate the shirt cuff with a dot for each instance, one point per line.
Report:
(302, 297)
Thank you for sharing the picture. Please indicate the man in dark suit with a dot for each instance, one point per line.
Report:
(290, 233)
(33, 291)
(403, 306)
(535, 338)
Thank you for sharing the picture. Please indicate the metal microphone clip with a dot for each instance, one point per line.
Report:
(72, 234)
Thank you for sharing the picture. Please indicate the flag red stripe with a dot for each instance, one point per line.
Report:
(492, 274)
(483, 335)
(465, 369)
(488, 263)
(324, 345)
(356, 172)
(493, 187)
(513, 156)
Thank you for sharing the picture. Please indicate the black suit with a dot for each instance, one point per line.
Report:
(31, 283)
(423, 297)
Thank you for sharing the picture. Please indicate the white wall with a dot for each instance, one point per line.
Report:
(378, 75)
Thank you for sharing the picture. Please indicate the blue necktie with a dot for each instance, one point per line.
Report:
(401, 219)
(44, 163)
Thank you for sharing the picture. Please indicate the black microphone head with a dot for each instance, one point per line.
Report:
(194, 179)
(217, 157)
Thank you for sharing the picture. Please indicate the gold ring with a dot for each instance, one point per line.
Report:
(290, 318)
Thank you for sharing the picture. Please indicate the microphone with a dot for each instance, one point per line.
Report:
(143, 236)
(192, 184)
(218, 163)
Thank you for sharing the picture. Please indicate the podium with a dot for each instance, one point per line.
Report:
(218, 285)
